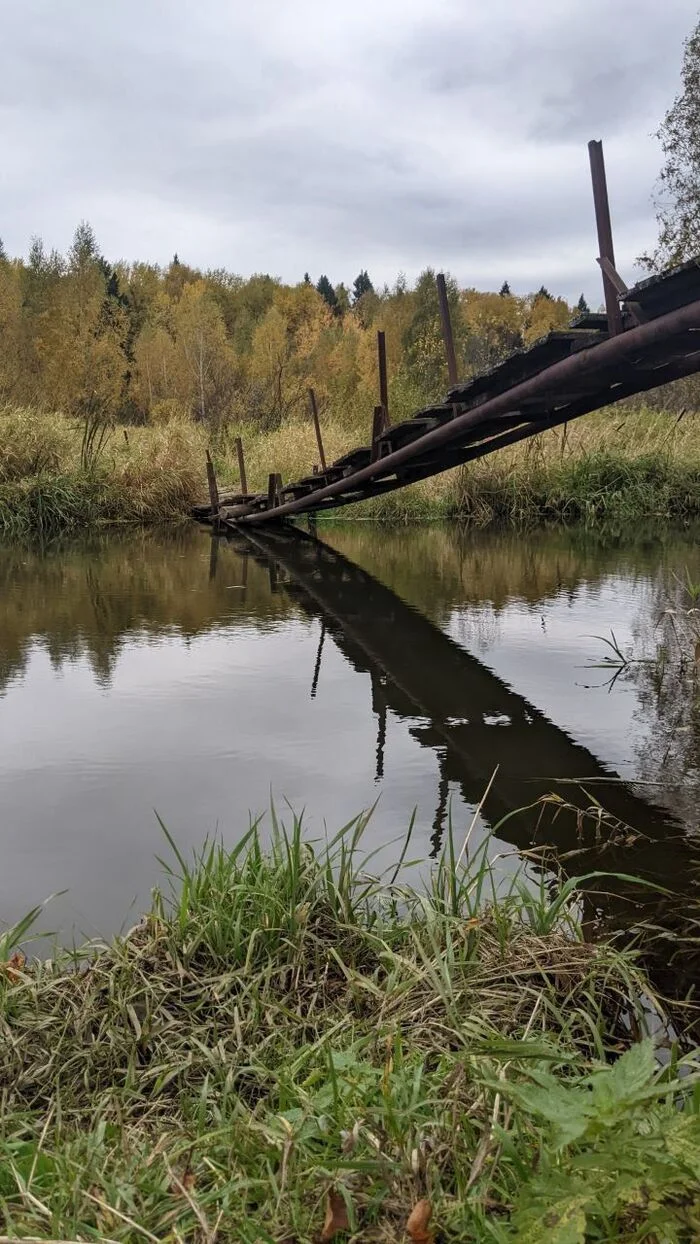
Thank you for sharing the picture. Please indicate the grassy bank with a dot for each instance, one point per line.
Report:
(621, 464)
(290, 1051)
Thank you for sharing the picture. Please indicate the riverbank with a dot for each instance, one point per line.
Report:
(622, 464)
(287, 1048)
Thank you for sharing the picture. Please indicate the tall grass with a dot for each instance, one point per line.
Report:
(626, 463)
(285, 1039)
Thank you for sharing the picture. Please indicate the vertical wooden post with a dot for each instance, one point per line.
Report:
(213, 488)
(317, 429)
(271, 490)
(278, 490)
(604, 228)
(377, 429)
(446, 325)
(383, 381)
(241, 466)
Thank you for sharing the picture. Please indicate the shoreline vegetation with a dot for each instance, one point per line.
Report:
(625, 463)
(287, 1049)
(118, 377)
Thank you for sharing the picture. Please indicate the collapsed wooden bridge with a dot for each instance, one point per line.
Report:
(649, 335)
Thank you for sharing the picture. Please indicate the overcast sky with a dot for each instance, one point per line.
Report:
(293, 135)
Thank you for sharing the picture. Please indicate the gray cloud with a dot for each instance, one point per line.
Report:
(292, 137)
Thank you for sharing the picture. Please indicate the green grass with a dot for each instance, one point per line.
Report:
(284, 1032)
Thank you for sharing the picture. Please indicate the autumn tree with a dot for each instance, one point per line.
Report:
(678, 199)
(203, 360)
(82, 335)
(494, 324)
(423, 343)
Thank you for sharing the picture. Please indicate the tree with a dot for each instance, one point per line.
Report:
(325, 289)
(582, 306)
(678, 196)
(361, 285)
(307, 279)
(3, 252)
(543, 292)
(504, 291)
(342, 299)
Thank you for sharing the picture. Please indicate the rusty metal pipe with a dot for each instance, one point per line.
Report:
(605, 238)
(581, 365)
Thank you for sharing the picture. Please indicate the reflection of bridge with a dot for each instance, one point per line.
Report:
(649, 335)
(468, 716)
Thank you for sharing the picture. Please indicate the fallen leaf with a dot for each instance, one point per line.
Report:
(336, 1216)
(14, 966)
(417, 1225)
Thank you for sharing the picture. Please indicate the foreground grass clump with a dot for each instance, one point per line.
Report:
(287, 1042)
(617, 464)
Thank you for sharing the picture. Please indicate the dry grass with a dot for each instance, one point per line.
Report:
(621, 463)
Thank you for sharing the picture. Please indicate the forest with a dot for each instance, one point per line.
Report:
(143, 344)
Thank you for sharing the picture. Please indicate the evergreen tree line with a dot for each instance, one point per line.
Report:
(140, 343)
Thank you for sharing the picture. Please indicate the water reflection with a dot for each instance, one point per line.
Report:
(186, 675)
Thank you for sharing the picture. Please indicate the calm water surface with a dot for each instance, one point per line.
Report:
(148, 674)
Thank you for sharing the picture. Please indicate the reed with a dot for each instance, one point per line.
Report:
(289, 1048)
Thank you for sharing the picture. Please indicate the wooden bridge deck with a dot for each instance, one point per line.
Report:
(649, 336)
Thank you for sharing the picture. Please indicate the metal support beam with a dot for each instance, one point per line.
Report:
(446, 325)
(605, 239)
(578, 368)
(383, 381)
(317, 428)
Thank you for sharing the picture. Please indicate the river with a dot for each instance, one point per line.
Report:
(149, 675)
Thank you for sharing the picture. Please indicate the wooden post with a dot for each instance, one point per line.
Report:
(278, 489)
(213, 488)
(383, 381)
(241, 466)
(317, 429)
(605, 239)
(446, 325)
(271, 490)
(377, 429)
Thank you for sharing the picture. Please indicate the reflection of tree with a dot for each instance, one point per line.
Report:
(666, 679)
(84, 600)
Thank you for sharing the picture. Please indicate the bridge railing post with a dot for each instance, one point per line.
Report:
(213, 489)
(605, 238)
(241, 466)
(317, 428)
(383, 380)
(377, 429)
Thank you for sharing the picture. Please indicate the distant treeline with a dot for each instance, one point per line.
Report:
(139, 343)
